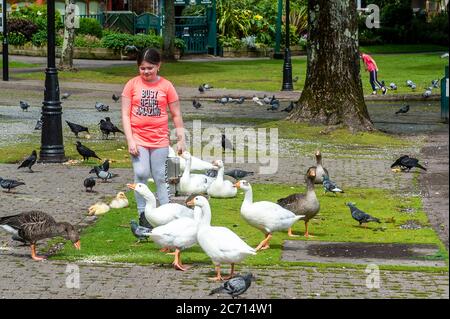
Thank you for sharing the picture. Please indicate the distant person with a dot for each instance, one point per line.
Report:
(372, 68)
(146, 101)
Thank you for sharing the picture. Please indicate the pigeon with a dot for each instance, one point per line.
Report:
(266, 99)
(274, 105)
(89, 183)
(238, 173)
(445, 55)
(409, 83)
(427, 93)
(289, 108)
(235, 286)
(393, 86)
(240, 100)
(226, 143)
(435, 84)
(360, 216)
(85, 151)
(103, 175)
(413, 86)
(24, 105)
(77, 128)
(115, 98)
(330, 186)
(211, 173)
(201, 89)
(406, 162)
(103, 167)
(295, 79)
(206, 86)
(130, 48)
(140, 232)
(223, 100)
(196, 104)
(257, 100)
(65, 96)
(38, 125)
(101, 107)
(29, 161)
(10, 183)
(403, 109)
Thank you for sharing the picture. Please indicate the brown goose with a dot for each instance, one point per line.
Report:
(29, 227)
(320, 170)
(304, 204)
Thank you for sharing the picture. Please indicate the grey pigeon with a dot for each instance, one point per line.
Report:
(24, 105)
(235, 286)
(257, 100)
(65, 96)
(330, 186)
(445, 55)
(295, 79)
(89, 183)
(101, 107)
(274, 105)
(206, 86)
(103, 175)
(406, 162)
(403, 109)
(240, 100)
(211, 173)
(29, 161)
(413, 86)
(140, 232)
(289, 108)
(393, 86)
(9, 183)
(427, 93)
(196, 104)
(38, 125)
(226, 143)
(223, 100)
(435, 84)
(409, 83)
(266, 99)
(360, 216)
(238, 173)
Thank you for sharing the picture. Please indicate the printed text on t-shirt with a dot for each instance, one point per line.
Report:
(149, 103)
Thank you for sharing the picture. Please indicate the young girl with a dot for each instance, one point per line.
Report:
(372, 68)
(145, 100)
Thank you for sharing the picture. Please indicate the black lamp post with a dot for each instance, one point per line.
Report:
(5, 43)
(52, 148)
(287, 65)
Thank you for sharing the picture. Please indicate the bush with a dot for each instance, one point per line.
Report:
(16, 38)
(87, 41)
(37, 14)
(180, 44)
(90, 26)
(233, 42)
(117, 41)
(249, 42)
(23, 26)
(142, 41)
(40, 38)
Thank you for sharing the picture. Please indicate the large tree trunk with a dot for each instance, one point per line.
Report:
(66, 59)
(168, 52)
(333, 92)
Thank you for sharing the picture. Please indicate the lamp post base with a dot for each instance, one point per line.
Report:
(287, 72)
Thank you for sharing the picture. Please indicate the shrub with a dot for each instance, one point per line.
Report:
(117, 41)
(230, 42)
(249, 42)
(40, 38)
(87, 41)
(37, 14)
(23, 26)
(90, 26)
(142, 41)
(180, 44)
(16, 38)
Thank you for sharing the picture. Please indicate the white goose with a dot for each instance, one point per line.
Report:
(197, 164)
(219, 187)
(193, 183)
(179, 234)
(163, 214)
(266, 216)
(219, 243)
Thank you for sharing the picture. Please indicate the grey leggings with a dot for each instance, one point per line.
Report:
(151, 162)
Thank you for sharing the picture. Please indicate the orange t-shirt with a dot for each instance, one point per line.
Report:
(149, 118)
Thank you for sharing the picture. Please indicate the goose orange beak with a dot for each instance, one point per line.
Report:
(77, 245)
(190, 203)
(237, 185)
(132, 186)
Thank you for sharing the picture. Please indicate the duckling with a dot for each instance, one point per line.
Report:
(99, 208)
(120, 201)
(304, 204)
(320, 170)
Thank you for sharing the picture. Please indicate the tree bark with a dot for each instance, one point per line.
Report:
(66, 59)
(168, 51)
(333, 93)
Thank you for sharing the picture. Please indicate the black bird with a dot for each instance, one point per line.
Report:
(9, 183)
(85, 151)
(295, 79)
(360, 216)
(435, 84)
(38, 125)
(89, 183)
(115, 129)
(115, 98)
(406, 162)
(101, 107)
(24, 105)
(77, 128)
(65, 96)
(226, 143)
(289, 108)
(403, 109)
(130, 48)
(196, 104)
(201, 89)
(235, 286)
(29, 161)
(238, 173)
(107, 127)
(140, 232)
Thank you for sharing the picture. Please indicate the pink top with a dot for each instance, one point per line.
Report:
(369, 62)
(148, 116)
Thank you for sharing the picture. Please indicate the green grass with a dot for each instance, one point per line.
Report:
(17, 64)
(110, 239)
(403, 48)
(266, 75)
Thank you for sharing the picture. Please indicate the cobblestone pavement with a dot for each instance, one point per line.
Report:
(57, 188)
